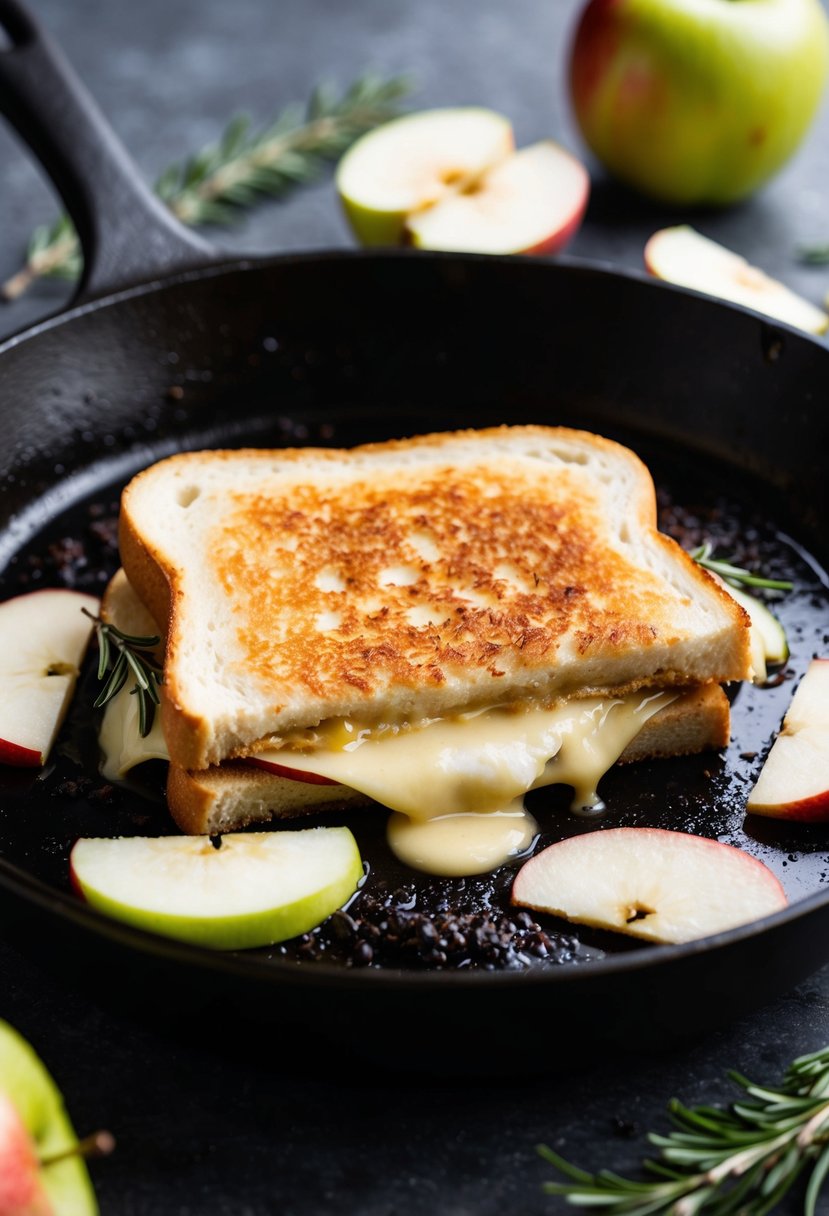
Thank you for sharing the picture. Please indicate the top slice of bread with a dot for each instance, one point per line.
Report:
(410, 579)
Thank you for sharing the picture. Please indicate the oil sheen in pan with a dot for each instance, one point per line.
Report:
(409, 920)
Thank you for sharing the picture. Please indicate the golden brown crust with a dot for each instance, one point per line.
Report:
(514, 572)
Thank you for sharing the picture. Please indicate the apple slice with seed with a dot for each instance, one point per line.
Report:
(794, 780)
(412, 162)
(530, 202)
(256, 888)
(684, 256)
(44, 636)
(650, 883)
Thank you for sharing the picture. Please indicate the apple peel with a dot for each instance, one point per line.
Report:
(649, 883)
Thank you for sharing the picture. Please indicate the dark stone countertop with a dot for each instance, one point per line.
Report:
(265, 1126)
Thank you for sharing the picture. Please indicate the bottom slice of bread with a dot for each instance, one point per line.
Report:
(234, 794)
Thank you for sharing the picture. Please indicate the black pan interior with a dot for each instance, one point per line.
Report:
(346, 349)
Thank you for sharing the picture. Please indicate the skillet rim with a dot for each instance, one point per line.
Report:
(271, 970)
(233, 264)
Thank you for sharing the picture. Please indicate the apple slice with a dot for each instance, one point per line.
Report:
(256, 888)
(650, 883)
(44, 636)
(768, 637)
(414, 161)
(794, 780)
(35, 1130)
(530, 202)
(292, 774)
(683, 256)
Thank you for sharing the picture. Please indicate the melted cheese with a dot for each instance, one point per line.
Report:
(456, 785)
(120, 737)
(465, 843)
(446, 780)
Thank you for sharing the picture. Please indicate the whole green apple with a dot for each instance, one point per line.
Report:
(697, 101)
(34, 1128)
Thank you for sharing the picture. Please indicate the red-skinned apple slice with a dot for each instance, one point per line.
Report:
(683, 256)
(794, 780)
(293, 774)
(412, 162)
(530, 202)
(44, 636)
(650, 883)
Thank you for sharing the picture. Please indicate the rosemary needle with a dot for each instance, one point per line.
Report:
(736, 574)
(121, 655)
(736, 1162)
(242, 167)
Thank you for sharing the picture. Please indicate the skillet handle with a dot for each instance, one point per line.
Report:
(126, 233)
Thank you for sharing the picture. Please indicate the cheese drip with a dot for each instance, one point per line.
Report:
(120, 737)
(457, 784)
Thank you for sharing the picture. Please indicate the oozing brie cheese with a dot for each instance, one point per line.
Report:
(120, 738)
(457, 784)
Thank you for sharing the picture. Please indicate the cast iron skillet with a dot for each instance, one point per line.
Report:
(167, 347)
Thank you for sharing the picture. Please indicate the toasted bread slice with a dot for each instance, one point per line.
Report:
(412, 579)
(234, 794)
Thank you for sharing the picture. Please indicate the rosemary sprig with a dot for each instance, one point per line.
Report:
(736, 574)
(735, 1162)
(813, 255)
(242, 167)
(121, 655)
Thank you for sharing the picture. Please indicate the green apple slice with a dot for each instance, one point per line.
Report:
(26, 1084)
(763, 619)
(256, 888)
(410, 163)
(768, 637)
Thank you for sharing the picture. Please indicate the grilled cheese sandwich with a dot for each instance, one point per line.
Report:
(439, 624)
